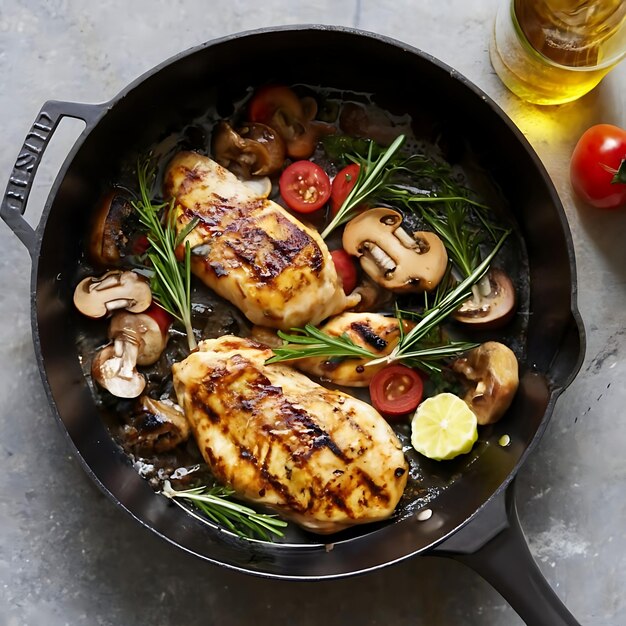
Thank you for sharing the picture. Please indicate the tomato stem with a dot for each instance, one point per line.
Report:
(620, 174)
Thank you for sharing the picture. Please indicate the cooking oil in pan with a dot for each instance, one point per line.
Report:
(554, 51)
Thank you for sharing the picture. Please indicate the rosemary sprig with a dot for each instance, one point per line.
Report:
(316, 342)
(409, 348)
(240, 519)
(374, 173)
(413, 348)
(460, 221)
(171, 279)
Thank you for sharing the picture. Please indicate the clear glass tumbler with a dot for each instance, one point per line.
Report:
(554, 51)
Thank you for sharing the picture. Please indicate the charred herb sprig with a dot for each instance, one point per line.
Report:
(171, 278)
(240, 519)
(412, 348)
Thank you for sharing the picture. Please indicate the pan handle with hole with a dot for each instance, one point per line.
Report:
(29, 157)
(494, 546)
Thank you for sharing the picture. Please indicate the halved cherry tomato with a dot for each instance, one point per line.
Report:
(344, 264)
(342, 186)
(160, 316)
(596, 159)
(304, 186)
(396, 390)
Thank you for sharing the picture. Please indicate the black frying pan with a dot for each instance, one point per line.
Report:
(474, 518)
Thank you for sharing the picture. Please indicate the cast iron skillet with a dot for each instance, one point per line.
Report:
(474, 520)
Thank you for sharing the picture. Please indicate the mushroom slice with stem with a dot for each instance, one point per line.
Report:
(156, 426)
(138, 339)
(144, 331)
(492, 303)
(114, 368)
(491, 371)
(393, 258)
(95, 297)
(256, 150)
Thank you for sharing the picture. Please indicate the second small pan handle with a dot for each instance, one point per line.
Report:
(494, 546)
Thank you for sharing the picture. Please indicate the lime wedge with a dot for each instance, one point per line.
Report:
(443, 427)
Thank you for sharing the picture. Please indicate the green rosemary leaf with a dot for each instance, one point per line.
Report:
(171, 279)
(372, 175)
(214, 502)
(311, 341)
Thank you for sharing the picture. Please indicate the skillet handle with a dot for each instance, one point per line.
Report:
(21, 180)
(494, 546)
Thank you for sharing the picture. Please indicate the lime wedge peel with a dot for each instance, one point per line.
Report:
(443, 427)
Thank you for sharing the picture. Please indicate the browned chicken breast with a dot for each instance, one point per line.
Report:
(372, 331)
(250, 250)
(319, 457)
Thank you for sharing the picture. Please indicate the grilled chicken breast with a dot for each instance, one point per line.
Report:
(373, 331)
(250, 250)
(321, 458)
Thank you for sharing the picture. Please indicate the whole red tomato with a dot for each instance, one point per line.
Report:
(598, 166)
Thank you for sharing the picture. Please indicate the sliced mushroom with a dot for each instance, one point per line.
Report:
(156, 426)
(108, 238)
(259, 151)
(373, 297)
(492, 304)
(491, 371)
(114, 369)
(393, 258)
(97, 296)
(141, 330)
(274, 155)
(291, 117)
(138, 339)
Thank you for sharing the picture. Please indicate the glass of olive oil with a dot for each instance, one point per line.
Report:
(554, 51)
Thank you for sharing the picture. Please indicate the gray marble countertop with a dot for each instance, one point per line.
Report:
(68, 556)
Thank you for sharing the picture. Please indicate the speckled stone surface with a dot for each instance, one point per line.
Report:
(68, 556)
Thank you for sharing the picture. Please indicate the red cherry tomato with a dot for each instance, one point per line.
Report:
(304, 186)
(344, 264)
(160, 316)
(396, 390)
(595, 160)
(342, 186)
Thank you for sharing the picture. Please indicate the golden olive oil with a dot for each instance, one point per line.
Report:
(554, 51)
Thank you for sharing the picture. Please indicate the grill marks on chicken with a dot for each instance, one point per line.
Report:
(320, 457)
(250, 250)
(375, 332)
